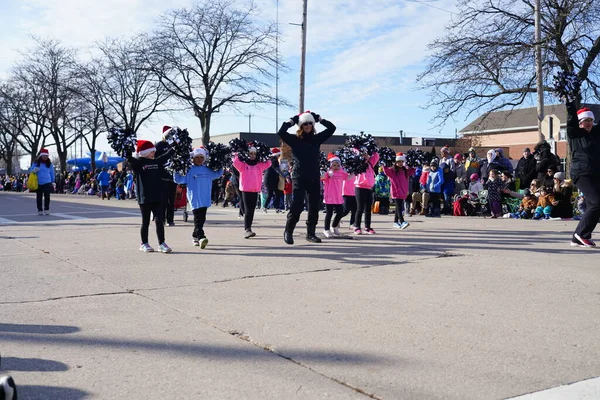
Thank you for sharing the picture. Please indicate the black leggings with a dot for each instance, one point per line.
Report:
(250, 199)
(399, 207)
(301, 189)
(364, 202)
(338, 215)
(169, 200)
(590, 186)
(44, 190)
(350, 208)
(273, 193)
(157, 210)
(199, 220)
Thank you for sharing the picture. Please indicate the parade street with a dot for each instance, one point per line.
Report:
(450, 308)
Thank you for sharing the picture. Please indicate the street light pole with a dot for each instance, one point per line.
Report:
(538, 68)
(277, 69)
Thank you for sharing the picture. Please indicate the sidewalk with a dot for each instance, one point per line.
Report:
(451, 308)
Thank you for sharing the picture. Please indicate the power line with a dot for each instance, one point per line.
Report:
(431, 5)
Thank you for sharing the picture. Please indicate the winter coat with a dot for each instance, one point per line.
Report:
(250, 175)
(271, 176)
(472, 165)
(199, 180)
(161, 148)
(526, 171)
(103, 178)
(399, 179)
(148, 177)
(348, 189)
(494, 188)
(306, 150)
(366, 180)
(584, 146)
(382, 186)
(449, 161)
(546, 160)
(435, 180)
(45, 174)
(529, 203)
(505, 162)
(333, 182)
(449, 183)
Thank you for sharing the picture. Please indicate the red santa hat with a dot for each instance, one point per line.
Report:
(332, 157)
(585, 113)
(44, 152)
(145, 147)
(305, 117)
(199, 152)
(166, 128)
(400, 156)
(275, 152)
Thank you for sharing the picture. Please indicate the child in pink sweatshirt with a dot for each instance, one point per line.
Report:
(333, 180)
(251, 173)
(363, 185)
(399, 175)
(349, 199)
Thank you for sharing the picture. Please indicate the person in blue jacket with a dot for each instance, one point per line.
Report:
(104, 181)
(199, 188)
(44, 170)
(435, 180)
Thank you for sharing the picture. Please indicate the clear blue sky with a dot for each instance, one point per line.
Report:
(363, 56)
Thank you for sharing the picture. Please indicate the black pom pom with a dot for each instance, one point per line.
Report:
(263, 152)
(219, 156)
(362, 142)
(323, 163)
(415, 158)
(566, 86)
(122, 141)
(181, 142)
(387, 156)
(239, 146)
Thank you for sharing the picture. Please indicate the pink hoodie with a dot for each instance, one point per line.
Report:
(399, 180)
(349, 186)
(250, 175)
(366, 180)
(332, 192)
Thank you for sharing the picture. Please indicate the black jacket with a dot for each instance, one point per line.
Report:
(584, 146)
(148, 177)
(306, 150)
(526, 171)
(546, 160)
(161, 148)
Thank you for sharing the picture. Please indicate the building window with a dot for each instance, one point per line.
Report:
(562, 134)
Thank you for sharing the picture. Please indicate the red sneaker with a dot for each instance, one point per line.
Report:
(581, 242)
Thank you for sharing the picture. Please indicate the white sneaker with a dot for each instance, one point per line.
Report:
(404, 225)
(46, 212)
(397, 225)
(40, 213)
(336, 231)
(146, 248)
(327, 233)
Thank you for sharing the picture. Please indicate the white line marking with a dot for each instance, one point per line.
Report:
(67, 216)
(7, 221)
(583, 390)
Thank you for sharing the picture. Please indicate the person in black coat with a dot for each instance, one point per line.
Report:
(584, 144)
(271, 183)
(526, 171)
(169, 186)
(545, 160)
(306, 177)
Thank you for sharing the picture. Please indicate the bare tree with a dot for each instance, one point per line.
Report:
(213, 55)
(24, 113)
(485, 62)
(50, 67)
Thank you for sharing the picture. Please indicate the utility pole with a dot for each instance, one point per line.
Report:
(303, 50)
(249, 123)
(538, 68)
(277, 70)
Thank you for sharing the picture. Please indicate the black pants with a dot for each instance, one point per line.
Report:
(364, 202)
(350, 208)
(399, 207)
(199, 220)
(240, 199)
(43, 190)
(435, 202)
(384, 205)
(339, 210)
(156, 210)
(301, 189)
(249, 199)
(273, 192)
(590, 186)
(169, 200)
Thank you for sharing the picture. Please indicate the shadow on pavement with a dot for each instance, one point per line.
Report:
(50, 393)
(43, 329)
(193, 349)
(32, 364)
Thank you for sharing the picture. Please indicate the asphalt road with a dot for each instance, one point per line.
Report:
(451, 308)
